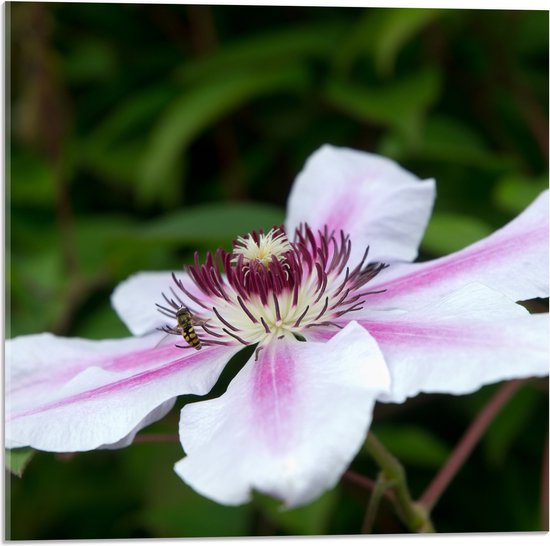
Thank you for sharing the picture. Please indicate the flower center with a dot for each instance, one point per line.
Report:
(269, 287)
(261, 247)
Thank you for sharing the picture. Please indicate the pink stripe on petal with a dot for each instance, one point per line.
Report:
(133, 382)
(461, 264)
(145, 357)
(62, 359)
(99, 407)
(288, 424)
(344, 212)
(373, 199)
(419, 335)
(459, 355)
(274, 389)
(514, 261)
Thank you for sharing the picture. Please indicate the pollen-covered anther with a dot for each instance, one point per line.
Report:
(261, 247)
(268, 287)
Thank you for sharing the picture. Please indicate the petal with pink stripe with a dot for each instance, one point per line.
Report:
(372, 198)
(290, 422)
(473, 337)
(513, 260)
(70, 394)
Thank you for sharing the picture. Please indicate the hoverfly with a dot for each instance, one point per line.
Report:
(185, 322)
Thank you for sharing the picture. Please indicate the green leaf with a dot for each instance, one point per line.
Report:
(356, 40)
(448, 232)
(99, 240)
(393, 29)
(18, 459)
(311, 519)
(110, 245)
(36, 277)
(532, 35)
(413, 445)
(194, 111)
(210, 224)
(88, 60)
(171, 508)
(513, 193)
(112, 148)
(450, 140)
(184, 513)
(31, 180)
(130, 116)
(115, 163)
(380, 34)
(400, 105)
(101, 322)
(257, 51)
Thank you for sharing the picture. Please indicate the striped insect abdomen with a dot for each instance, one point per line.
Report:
(191, 337)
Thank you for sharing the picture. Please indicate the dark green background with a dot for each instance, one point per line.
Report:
(139, 133)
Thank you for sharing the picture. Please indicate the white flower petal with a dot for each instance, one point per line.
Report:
(289, 423)
(134, 299)
(473, 337)
(70, 394)
(372, 198)
(156, 415)
(513, 260)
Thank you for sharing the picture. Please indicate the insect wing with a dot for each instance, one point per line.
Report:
(164, 341)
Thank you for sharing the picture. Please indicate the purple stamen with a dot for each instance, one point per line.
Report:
(239, 339)
(250, 283)
(209, 331)
(323, 310)
(190, 296)
(297, 323)
(264, 324)
(228, 324)
(166, 312)
(277, 310)
(246, 310)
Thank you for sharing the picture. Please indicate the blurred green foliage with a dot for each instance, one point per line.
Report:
(18, 459)
(141, 133)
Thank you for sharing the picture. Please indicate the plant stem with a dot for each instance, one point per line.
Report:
(544, 489)
(380, 487)
(360, 480)
(413, 515)
(155, 438)
(467, 443)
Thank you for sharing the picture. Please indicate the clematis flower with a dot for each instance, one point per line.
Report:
(338, 315)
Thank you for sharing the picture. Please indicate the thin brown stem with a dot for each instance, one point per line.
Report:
(380, 487)
(64, 213)
(155, 438)
(534, 116)
(358, 479)
(51, 122)
(168, 21)
(544, 489)
(203, 37)
(204, 41)
(467, 443)
(363, 481)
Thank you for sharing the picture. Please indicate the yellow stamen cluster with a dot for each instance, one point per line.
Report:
(274, 243)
